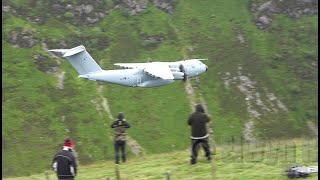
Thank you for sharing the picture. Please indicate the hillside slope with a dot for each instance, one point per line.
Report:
(262, 81)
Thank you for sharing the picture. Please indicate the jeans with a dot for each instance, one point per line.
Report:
(120, 146)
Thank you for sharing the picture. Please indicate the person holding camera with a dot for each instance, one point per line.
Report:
(199, 135)
(120, 125)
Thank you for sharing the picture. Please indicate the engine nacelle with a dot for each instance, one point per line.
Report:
(178, 75)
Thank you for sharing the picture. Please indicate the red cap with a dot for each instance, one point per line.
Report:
(68, 142)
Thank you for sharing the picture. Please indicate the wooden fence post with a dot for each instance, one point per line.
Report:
(168, 175)
(117, 172)
(46, 174)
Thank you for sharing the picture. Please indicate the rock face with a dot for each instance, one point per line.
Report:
(293, 8)
(46, 64)
(165, 5)
(152, 42)
(22, 38)
(82, 12)
(76, 40)
(133, 7)
(263, 22)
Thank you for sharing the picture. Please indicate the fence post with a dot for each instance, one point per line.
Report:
(46, 174)
(117, 172)
(168, 175)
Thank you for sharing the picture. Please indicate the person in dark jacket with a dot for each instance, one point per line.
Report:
(199, 135)
(120, 134)
(64, 162)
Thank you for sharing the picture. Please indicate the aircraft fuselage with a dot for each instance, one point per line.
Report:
(137, 77)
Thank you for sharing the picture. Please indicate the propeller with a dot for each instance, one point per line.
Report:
(185, 76)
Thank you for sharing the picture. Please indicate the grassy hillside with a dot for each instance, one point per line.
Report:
(261, 83)
(259, 161)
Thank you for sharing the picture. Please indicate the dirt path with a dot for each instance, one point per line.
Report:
(313, 128)
(193, 101)
(133, 144)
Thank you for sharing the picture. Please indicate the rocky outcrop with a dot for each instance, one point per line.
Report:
(263, 21)
(133, 7)
(82, 12)
(46, 64)
(293, 8)
(87, 13)
(78, 13)
(22, 38)
(76, 40)
(152, 42)
(165, 5)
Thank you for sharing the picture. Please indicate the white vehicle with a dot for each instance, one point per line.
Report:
(297, 171)
(148, 74)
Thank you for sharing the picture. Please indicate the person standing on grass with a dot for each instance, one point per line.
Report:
(199, 135)
(64, 162)
(120, 134)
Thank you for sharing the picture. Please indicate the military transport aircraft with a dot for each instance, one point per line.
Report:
(149, 74)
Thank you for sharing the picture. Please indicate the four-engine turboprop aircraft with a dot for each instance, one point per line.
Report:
(148, 74)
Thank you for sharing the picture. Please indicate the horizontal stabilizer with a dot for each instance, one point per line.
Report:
(69, 52)
(62, 51)
(197, 59)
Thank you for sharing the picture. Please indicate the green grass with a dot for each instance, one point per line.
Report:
(256, 161)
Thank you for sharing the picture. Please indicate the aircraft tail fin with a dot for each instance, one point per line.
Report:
(80, 59)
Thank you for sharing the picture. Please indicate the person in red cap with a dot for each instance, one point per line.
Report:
(64, 162)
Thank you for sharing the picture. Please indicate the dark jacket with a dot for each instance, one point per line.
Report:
(198, 121)
(120, 129)
(64, 163)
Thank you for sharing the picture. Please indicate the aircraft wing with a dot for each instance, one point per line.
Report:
(159, 70)
(156, 69)
(131, 65)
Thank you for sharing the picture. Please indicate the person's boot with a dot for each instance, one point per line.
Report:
(209, 158)
(193, 162)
